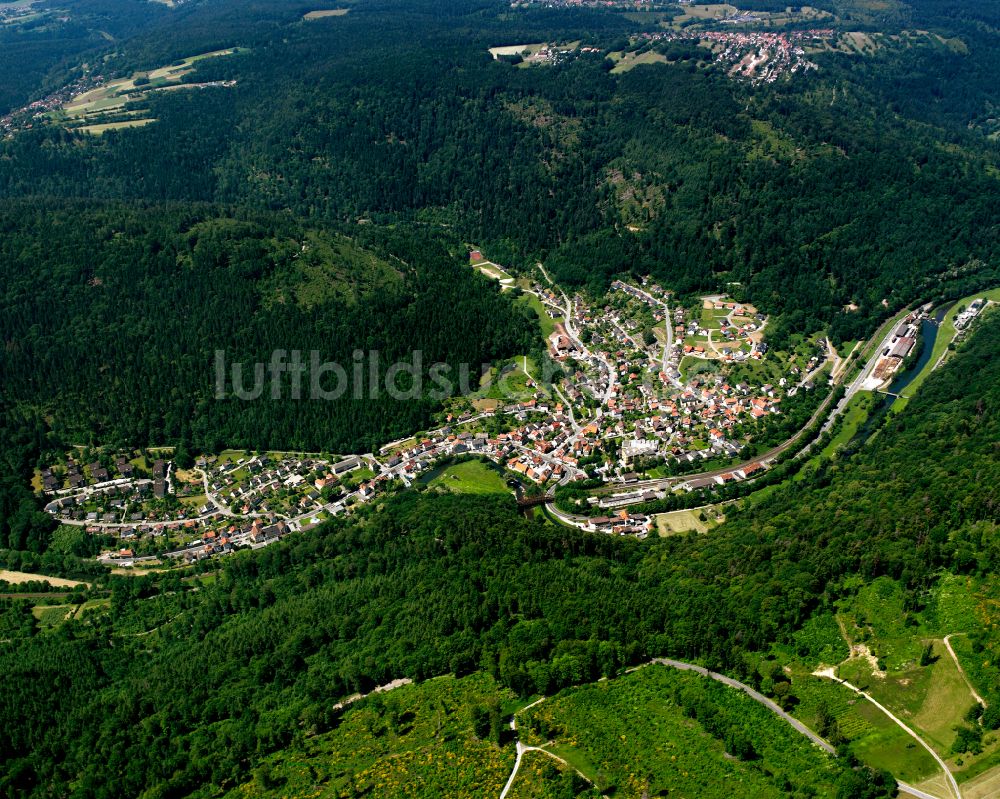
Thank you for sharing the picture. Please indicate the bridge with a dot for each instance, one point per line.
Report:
(531, 502)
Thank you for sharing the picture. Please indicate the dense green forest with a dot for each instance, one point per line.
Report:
(112, 321)
(176, 691)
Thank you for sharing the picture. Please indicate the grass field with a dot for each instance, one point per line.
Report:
(874, 738)
(931, 699)
(514, 382)
(631, 61)
(855, 415)
(17, 578)
(984, 786)
(415, 741)
(685, 521)
(546, 323)
(468, 477)
(328, 12)
(639, 735)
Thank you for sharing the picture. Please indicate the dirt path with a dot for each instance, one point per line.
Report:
(521, 748)
(954, 657)
(830, 674)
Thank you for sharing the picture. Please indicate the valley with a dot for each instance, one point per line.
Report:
(521, 400)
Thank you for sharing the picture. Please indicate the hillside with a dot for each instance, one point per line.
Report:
(112, 324)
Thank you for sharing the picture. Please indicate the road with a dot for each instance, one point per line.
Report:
(766, 458)
(211, 497)
(669, 328)
(952, 783)
(857, 384)
(771, 455)
(954, 657)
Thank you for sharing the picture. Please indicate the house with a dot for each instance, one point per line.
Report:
(346, 465)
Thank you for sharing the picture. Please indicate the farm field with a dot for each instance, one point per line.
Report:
(117, 104)
(707, 11)
(516, 49)
(327, 12)
(631, 61)
(19, 578)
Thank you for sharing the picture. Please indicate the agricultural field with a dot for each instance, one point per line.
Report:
(19, 578)
(122, 103)
(516, 49)
(707, 12)
(414, 741)
(631, 60)
(324, 13)
(658, 730)
(468, 477)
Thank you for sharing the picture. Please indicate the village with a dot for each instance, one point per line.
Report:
(757, 55)
(641, 389)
